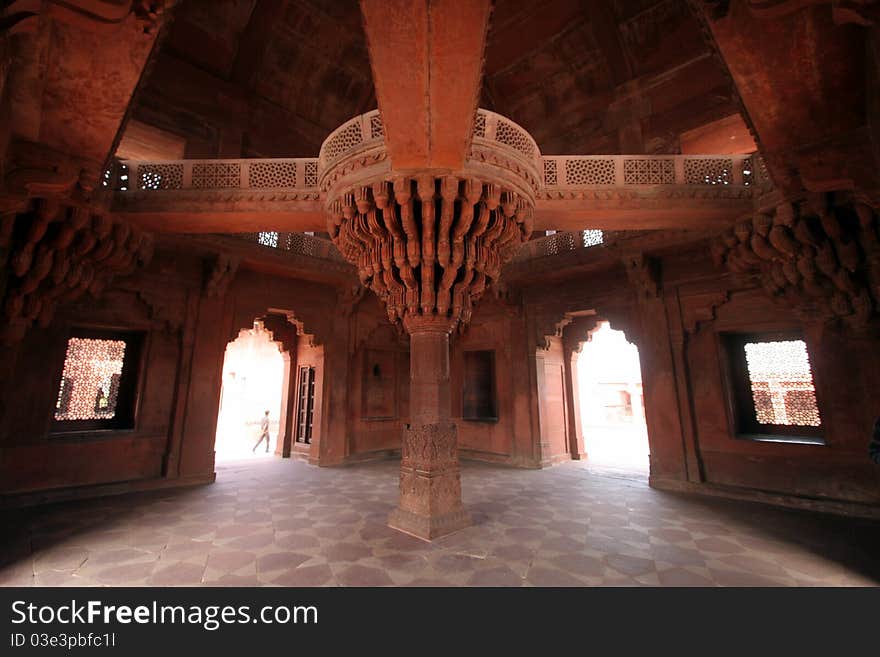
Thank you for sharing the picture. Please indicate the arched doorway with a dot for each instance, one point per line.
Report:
(612, 401)
(253, 380)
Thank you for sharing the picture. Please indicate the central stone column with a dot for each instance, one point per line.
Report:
(429, 245)
(430, 482)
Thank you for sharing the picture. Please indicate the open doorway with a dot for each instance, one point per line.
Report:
(612, 402)
(253, 376)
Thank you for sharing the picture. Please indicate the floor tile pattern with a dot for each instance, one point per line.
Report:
(284, 523)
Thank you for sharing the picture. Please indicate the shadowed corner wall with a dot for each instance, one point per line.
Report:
(186, 332)
(693, 439)
(32, 459)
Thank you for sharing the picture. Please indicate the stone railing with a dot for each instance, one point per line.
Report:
(498, 130)
(366, 132)
(279, 174)
(567, 171)
(557, 172)
(364, 135)
(557, 243)
(294, 243)
(352, 135)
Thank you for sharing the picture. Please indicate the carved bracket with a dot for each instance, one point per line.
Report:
(700, 308)
(220, 273)
(819, 256)
(56, 252)
(644, 273)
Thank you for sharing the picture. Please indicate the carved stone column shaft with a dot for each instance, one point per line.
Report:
(430, 481)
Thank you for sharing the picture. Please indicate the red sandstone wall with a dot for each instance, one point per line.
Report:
(677, 331)
(379, 399)
(550, 364)
(846, 373)
(499, 328)
(378, 406)
(691, 433)
(186, 336)
(492, 440)
(30, 458)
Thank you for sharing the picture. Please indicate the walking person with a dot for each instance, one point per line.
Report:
(264, 433)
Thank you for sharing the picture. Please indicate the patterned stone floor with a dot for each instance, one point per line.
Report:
(284, 523)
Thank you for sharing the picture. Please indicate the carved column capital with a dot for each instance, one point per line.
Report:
(429, 324)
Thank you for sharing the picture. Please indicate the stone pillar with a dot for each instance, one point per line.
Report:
(287, 423)
(430, 482)
(573, 406)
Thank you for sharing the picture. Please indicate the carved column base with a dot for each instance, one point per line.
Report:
(430, 483)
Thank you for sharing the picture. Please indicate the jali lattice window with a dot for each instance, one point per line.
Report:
(774, 387)
(98, 381)
(593, 237)
(268, 239)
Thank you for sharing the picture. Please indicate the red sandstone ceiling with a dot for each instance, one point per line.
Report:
(274, 77)
(258, 77)
(603, 76)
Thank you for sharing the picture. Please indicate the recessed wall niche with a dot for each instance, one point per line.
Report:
(380, 384)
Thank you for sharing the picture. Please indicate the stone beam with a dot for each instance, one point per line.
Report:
(293, 217)
(317, 266)
(174, 214)
(801, 79)
(427, 61)
(74, 74)
(640, 213)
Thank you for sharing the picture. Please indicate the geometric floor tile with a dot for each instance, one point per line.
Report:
(285, 523)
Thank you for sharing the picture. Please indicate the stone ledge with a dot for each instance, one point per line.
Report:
(834, 507)
(19, 500)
